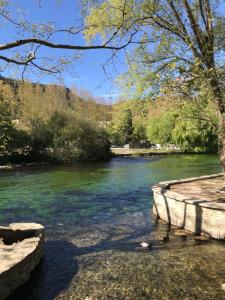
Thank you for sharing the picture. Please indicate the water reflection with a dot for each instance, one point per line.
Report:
(108, 263)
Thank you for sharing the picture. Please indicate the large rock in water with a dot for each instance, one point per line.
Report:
(21, 248)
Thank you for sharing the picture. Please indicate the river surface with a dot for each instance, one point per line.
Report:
(95, 216)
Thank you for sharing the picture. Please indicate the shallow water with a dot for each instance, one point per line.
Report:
(96, 215)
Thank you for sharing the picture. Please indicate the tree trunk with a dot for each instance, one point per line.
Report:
(221, 137)
(219, 99)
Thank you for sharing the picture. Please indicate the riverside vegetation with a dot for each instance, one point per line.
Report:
(40, 122)
(175, 48)
(49, 122)
(176, 56)
(167, 120)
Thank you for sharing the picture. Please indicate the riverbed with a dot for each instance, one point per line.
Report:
(96, 215)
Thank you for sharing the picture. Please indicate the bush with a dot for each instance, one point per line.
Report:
(160, 128)
(185, 127)
(76, 139)
(64, 138)
(195, 136)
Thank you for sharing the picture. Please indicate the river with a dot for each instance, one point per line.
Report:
(95, 216)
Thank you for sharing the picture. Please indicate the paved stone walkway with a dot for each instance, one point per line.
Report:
(207, 189)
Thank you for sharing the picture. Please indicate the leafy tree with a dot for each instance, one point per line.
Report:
(196, 127)
(121, 128)
(76, 139)
(160, 128)
(6, 124)
(40, 135)
(127, 126)
(186, 126)
(138, 132)
(195, 136)
(128, 121)
(179, 44)
(19, 144)
(13, 141)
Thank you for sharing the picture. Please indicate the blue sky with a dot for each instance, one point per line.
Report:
(89, 73)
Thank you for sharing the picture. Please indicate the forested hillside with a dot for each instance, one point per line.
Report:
(36, 117)
(52, 122)
(28, 101)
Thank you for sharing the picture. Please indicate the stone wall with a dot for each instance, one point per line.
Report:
(201, 217)
(21, 249)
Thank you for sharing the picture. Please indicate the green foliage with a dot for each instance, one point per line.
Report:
(19, 143)
(196, 127)
(113, 14)
(128, 122)
(13, 141)
(65, 136)
(121, 128)
(76, 139)
(138, 132)
(6, 124)
(170, 47)
(195, 136)
(126, 128)
(40, 135)
(177, 49)
(186, 126)
(160, 128)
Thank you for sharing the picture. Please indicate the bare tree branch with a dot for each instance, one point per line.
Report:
(202, 13)
(46, 43)
(186, 38)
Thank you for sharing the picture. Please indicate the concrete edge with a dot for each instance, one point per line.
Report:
(162, 188)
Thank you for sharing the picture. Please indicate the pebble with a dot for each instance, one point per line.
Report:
(223, 286)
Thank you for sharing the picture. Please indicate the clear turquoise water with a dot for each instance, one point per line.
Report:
(89, 193)
(97, 214)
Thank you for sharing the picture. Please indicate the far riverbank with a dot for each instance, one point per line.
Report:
(139, 152)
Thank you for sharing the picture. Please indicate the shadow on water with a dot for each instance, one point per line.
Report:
(60, 265)
(54, 274)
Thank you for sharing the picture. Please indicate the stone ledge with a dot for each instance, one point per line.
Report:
(20, 250)
(197, 214)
